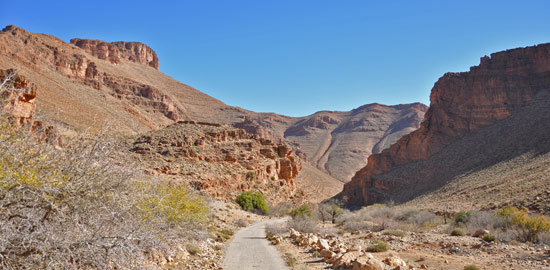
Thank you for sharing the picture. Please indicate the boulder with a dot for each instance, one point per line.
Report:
(368, 263)
(481, 233)
(323, 244)
(394, 261)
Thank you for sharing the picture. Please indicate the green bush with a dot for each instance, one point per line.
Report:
(302, 211)
(378, 246)
(462, 217)
(457, 232)
(250, 201)
(471, 267)
(489, 238)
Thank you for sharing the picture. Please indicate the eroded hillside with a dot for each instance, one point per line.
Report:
(220, 160)
(494, 113)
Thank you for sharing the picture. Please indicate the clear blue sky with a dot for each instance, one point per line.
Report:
(297, 57)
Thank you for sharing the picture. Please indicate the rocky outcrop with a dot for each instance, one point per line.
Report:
(220, 160)
(17, 96)
(461, 103)
(18, 100)
(98, 48)
(136, 52)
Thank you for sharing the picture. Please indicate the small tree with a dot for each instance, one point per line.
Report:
(250, 201)
(303, 211)
(329, 211)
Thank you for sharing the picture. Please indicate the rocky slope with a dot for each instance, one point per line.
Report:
(461, 131)
(339, 143)
(87, 83)
(220, 160)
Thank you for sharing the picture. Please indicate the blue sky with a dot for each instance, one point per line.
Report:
(297, 57)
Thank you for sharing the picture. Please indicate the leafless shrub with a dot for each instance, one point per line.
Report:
(482, 220)
(275, 229)
(241, 223)
(304, 224)
(280, 209)
(82, 207)
(544, 238)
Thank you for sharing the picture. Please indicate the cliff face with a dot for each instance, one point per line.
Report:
(18, 97)
(461, 103)
(220, 160)
(113, 52)
(340, 142)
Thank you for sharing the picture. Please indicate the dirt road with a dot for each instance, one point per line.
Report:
(250, 250)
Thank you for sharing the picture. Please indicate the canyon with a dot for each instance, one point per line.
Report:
(477, 120)
(87, 83)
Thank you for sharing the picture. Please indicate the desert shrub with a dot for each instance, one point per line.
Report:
(330, 210)
(378, 246)
(223, 235)
(304, 224)
(544, 238)
(274, 229)
(471, 267)
(528, 226)
(241, 223)
(81, 206)
(250, 201)
(489, 238)
(290, 260)
(302, 211)
(250, 175)
(280, 209)
(193, 249)
(484, 221)
(397, 233)
(461, 217)
(458, 232)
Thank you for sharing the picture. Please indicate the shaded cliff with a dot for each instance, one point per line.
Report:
(503, 84)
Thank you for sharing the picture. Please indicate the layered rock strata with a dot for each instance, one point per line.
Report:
(504, 83)
(220, 160)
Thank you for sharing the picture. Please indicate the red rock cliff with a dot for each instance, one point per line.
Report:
(19, 97)
(113, 52)
(460, 103)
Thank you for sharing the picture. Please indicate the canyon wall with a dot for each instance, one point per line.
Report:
(461, 103)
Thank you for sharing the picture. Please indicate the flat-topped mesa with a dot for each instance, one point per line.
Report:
(460, 103)
(113, 52)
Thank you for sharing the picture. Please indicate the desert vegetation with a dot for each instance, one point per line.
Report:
(250, 201)
(83, 205)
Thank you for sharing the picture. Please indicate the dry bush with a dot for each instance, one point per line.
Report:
(275, 229)
(241, 223)
(329, 211)
(280, 209)
(484, 221)
(544, 238)
(382, 217)
(304, 224)
(83, 207)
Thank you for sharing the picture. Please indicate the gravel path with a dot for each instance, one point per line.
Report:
(250, 250)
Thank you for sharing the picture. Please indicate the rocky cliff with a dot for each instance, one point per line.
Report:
(503, 84)
(136, 52)
(90, 82)
(339, 143)
(220, 160)
(17, 97)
